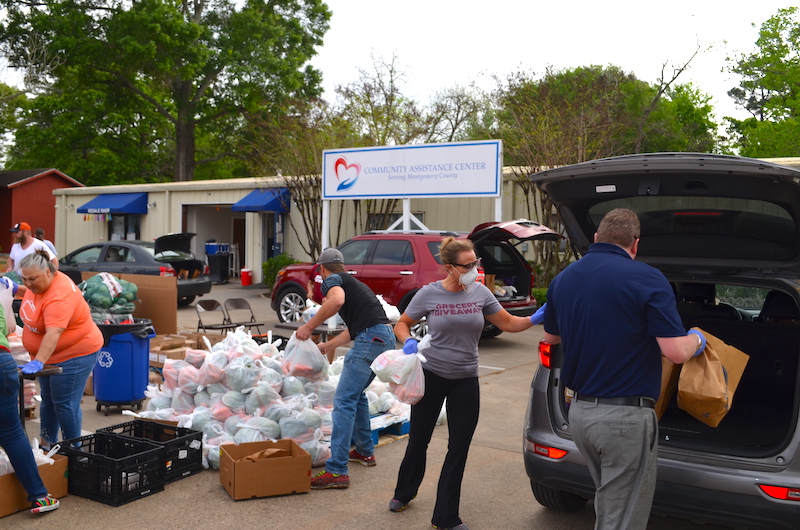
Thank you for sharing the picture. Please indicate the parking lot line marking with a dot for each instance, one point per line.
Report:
(490, 367)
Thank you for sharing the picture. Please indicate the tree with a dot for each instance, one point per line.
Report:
(290, 143)
(370, 111)
(770, 90)
(199, 66)
(584, 113)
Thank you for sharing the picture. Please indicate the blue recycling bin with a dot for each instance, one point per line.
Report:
(121, 374)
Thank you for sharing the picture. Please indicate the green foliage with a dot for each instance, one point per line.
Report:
(540, 295)
(159, 85)
(768, 90)
(579, 114)
(271, 267)
(574, 115)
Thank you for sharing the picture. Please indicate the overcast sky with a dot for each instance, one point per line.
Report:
(441, 43)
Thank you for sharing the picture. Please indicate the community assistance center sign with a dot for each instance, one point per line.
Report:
(461, 169)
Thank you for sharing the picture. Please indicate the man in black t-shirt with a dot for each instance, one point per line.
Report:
(371, 333)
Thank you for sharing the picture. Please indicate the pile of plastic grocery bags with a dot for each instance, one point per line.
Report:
(240, 391)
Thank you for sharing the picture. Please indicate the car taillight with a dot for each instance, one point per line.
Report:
(781, 493)
(546, 451)
(166, 271)
(545, 352)
(206, 270)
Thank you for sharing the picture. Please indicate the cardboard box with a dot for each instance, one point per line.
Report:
(158, 299)
(89, 388)
(197, 339)
(154, 378)
(167, 342)
(287, 471)
(157, 358)
(14, 498)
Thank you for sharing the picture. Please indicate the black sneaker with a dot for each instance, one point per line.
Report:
(462, 526)
(397, 506)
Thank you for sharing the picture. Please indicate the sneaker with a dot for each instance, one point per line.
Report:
(324, 480)
(397, 506)
(45, 504)
(368, 461)
(462, 526)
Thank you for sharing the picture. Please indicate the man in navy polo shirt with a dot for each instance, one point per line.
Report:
(615, 317)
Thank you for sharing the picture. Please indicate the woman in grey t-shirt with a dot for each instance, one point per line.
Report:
(455, 309)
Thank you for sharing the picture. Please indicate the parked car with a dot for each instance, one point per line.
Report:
(724, 230)
(397, 264)
(169, 255)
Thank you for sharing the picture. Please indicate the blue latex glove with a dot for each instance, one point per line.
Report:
(410, 346)
(538, 316)
(702, 341)
(32, 367)
(8, 283)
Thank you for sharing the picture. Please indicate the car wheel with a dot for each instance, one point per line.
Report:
(419, 329)
(183, 301)
(490, 330)
(561, 501)
(291, 304)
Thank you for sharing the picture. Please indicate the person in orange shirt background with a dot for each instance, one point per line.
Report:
(59, 330)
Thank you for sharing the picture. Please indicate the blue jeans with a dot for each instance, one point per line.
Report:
(61, 398)
(350, 407)
(12, 436)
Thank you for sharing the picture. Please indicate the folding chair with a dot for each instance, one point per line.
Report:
(242, 307)
(210, 306)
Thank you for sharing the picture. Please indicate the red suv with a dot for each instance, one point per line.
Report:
(397, 264)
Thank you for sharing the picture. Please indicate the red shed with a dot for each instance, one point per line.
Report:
(27, 195)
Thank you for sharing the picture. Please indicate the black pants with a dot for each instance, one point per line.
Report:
(463, 405)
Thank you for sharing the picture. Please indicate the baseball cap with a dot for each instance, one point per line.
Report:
(21, 226)
(330, 255)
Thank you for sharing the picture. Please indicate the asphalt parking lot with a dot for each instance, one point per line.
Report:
(496, 492)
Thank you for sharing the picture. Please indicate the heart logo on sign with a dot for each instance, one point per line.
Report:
(346, 174)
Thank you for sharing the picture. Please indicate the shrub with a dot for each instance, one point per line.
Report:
(540, 295)
(271, 267)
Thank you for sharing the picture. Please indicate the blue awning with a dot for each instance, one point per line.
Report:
(264, 200)
(116, 203)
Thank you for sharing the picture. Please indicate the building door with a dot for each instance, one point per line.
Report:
(238, 240)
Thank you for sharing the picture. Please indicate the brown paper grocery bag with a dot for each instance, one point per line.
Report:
(708, 381)
(669, 384)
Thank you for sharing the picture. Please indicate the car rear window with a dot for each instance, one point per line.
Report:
(433, 246)
(709, 226)
(393, 252)
(355, 252)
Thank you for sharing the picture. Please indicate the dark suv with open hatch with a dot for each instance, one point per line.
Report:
(726, 232)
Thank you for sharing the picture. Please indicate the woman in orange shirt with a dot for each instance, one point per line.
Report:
(59, 330)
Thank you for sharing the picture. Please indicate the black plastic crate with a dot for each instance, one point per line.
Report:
(113, 469)
(184, 447)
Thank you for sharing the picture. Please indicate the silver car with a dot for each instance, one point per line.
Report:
(725, 231)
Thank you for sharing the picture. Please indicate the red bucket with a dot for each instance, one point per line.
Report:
(247, 277)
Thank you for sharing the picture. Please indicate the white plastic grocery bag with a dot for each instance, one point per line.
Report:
(395, 366)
